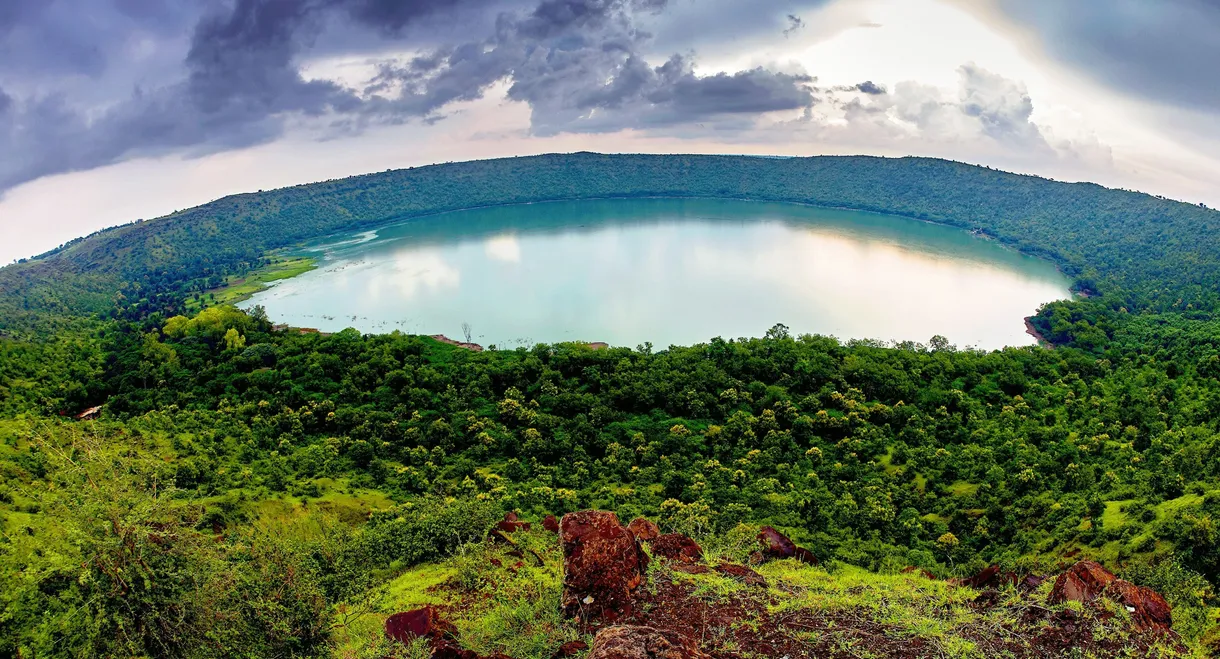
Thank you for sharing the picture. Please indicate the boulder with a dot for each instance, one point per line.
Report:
(677, 547)
(636, 642)
(775, 544)
(444, 649)
(511, 524)
(805, 556)
(426, 623)
(417, 623)
(778, 545)
(643, 529)
(1031, 582)
(602, 565)
(570, 649)
(1149, 611)
(1083, 582)
(550, 523)
(989, 577)
(1087, 580)
(742, 573)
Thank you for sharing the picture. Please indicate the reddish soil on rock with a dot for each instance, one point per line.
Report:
(778, 545)
(637, 642)
(511, 524)
(677, 547)
(1083, 582)
(643, 529)
(741, 625)
(602, 566)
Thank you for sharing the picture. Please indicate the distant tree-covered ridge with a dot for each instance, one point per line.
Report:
(1143, 251)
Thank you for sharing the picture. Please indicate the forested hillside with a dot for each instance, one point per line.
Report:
(228, 455)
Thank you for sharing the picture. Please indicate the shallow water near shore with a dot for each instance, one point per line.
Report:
(667, 271)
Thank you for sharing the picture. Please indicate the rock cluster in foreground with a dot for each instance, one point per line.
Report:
(605, 569)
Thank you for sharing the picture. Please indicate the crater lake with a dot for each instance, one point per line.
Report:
(667, 272)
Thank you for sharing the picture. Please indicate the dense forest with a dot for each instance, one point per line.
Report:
(227, 452)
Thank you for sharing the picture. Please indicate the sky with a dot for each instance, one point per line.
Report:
(116, 110)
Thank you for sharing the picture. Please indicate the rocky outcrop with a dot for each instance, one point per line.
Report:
(677, 547)
(418, 623)
(1083, 582)
(636, 642)
(1031, 582)
(1149, 611)
(742, 573)
(1087, 580)
(550, 523)
(602, 565)
(778, 545)
(511, 524)
(570, 649)
(643, 530)
(426, 623)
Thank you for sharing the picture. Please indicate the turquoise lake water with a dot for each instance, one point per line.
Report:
(668, 271)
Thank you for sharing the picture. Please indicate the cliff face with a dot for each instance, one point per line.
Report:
(592, 585)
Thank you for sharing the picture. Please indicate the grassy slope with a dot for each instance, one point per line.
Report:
(240, 289)
(835, 611)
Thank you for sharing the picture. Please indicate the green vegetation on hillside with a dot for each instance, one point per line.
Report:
(237, 289)
(228, 454)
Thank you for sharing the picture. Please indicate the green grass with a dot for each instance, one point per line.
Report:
(1115, 515)
(1173, 507)
(962, 489)
(239, 289)
(351, 507)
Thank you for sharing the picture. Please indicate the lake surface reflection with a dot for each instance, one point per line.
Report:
(668, 271)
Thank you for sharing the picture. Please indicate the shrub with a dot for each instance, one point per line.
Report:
(429, 528)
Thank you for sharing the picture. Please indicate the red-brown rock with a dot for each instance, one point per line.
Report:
(635, 642)
(778, 545)
(511, 524)
(1031, 582)
(805, 556)
(989, 577)
(1149, 611)
(550, 523)
(1083, 582)
(677, 547)
(643, 529)
(775, 544)
(417, 623)
(602, 565)
(742, 573)
(911, 569)
(1086, 581)
(444, 649)
(571, 648)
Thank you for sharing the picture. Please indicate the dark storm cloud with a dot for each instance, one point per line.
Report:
(579, 65)
(83, 37)
(391, 16)
(870, 87)
(244, 62)
(90, 83)
(1166, 51)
